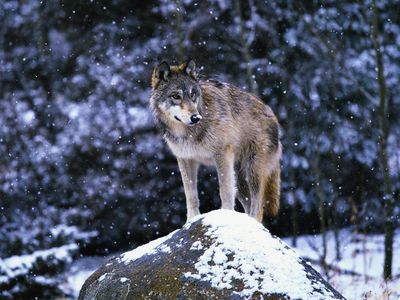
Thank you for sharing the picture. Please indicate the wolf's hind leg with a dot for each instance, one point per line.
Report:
(257, 181)
(256, 206)
(188, 169)
(243, 194)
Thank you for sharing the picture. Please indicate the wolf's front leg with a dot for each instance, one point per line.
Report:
(226, 177)
(188, 169)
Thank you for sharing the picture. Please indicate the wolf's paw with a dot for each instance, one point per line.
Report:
(192, 214)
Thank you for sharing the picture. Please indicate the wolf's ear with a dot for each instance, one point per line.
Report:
(161, 72)
(190, 69)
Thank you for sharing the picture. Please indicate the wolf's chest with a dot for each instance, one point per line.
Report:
(189, 149)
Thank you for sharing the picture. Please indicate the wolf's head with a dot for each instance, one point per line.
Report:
(176, 93)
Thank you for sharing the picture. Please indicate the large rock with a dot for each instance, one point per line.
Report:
(218, 255)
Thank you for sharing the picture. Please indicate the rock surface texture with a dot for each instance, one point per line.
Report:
(219, 255)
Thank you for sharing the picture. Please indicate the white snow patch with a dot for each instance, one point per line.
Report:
(102, 277)
(28, 116)
(114, 80)
(123, 279)
(73, 112)
(79, 271)
(150, 248)
(244, 250)
(75, 281)
(65, 230)
(197, 245)
(164, 248)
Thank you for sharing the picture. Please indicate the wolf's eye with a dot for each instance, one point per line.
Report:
(175, 99)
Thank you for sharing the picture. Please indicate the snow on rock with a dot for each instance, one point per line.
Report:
(149, 248)
(244, 250)
(219, 255)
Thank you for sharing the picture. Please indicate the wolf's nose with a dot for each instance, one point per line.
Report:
(195, 118)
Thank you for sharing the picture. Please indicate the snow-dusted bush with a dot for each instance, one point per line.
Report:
(36, 248)
(38, 274)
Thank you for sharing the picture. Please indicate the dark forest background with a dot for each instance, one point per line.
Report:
(83, 169)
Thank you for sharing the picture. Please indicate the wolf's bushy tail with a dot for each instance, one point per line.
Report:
(272, 191)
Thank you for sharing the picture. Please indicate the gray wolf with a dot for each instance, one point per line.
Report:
(207, 122)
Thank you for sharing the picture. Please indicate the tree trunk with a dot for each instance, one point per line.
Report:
(245, 49)
(321, 209)
(335, 215)
(295, 206)
(294, 222)
(383, 127)
(179, 32)
(42, 39)
(3, 27)
(336, 233)
(334, 196)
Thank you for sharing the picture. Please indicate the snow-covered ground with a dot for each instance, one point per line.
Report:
(80, 270)
(357, 275)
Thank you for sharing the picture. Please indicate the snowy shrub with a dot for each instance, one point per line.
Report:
(36, 248)
(35, 275)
